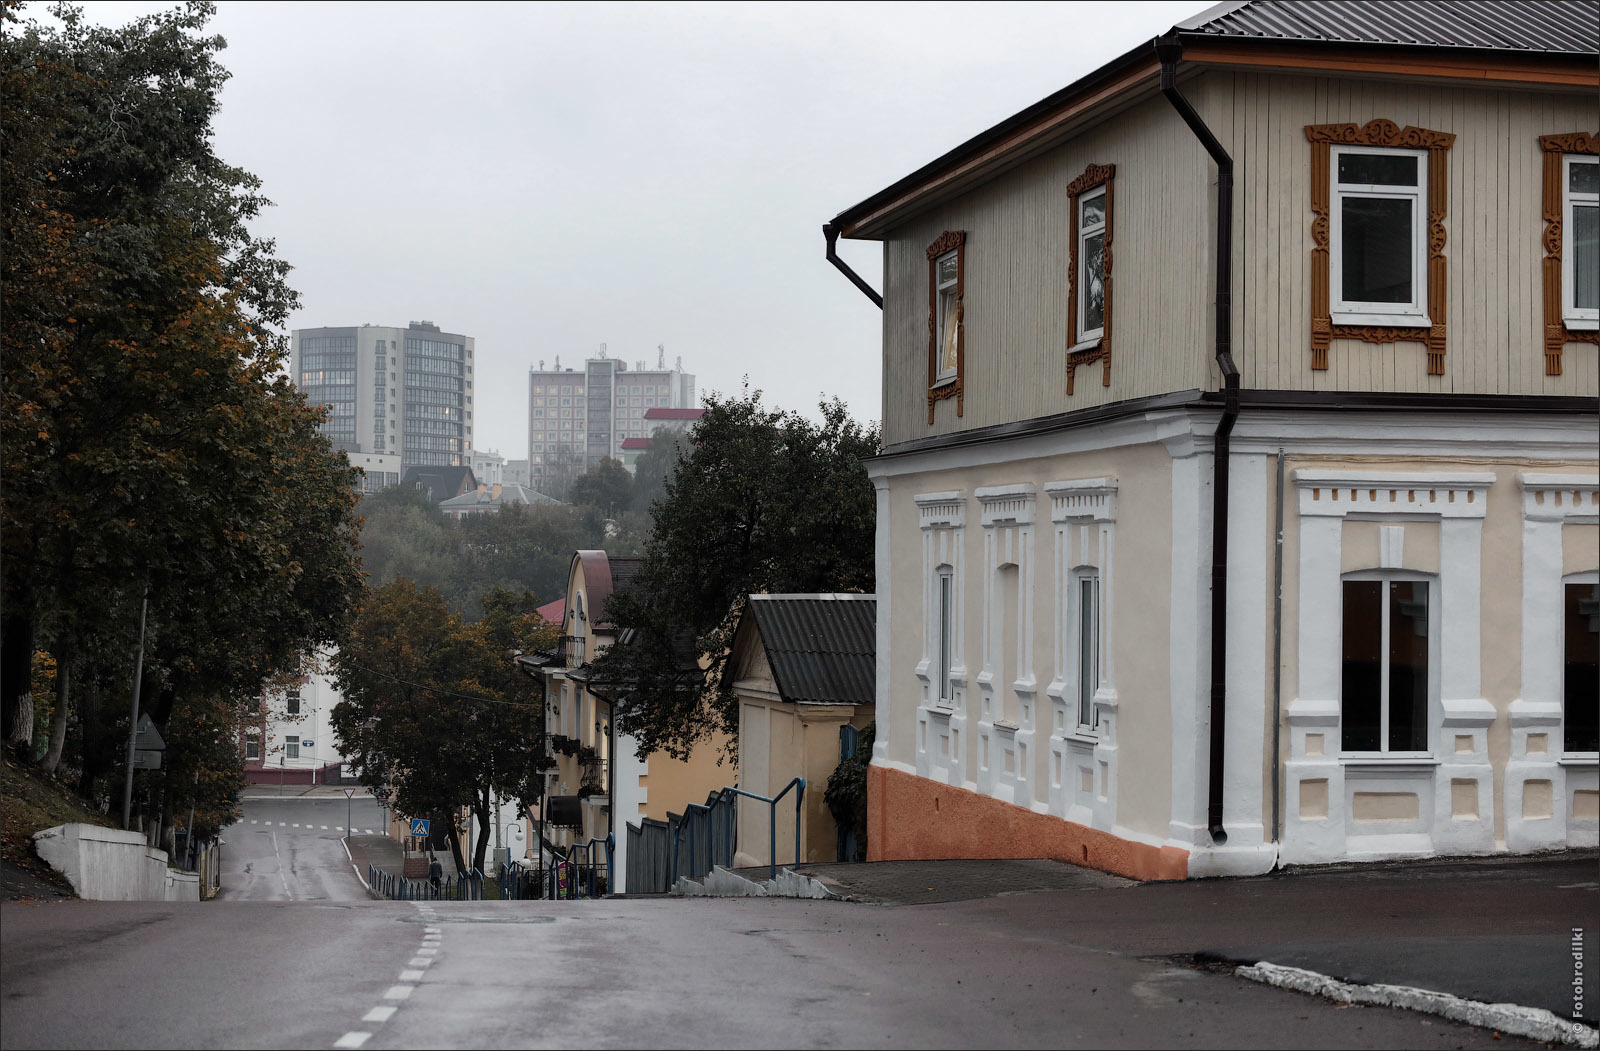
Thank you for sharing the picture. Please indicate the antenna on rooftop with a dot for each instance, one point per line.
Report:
(661, 356)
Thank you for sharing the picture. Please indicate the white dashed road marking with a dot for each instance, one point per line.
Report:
(352, 1040)
(398, 992)
(411, 976)
(379, 1014)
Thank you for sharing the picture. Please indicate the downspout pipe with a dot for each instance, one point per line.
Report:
(831, 232)
(1169, 50)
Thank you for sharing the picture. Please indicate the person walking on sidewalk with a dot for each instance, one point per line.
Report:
(435, 871)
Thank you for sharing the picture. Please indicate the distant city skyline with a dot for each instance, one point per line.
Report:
(553, 177)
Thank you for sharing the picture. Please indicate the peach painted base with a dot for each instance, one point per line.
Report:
(910, 818)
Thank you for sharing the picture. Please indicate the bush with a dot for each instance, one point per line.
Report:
(846, 794)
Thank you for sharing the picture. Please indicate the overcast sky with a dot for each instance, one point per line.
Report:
(548, 178)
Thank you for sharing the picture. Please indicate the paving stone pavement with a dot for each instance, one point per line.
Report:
(926, 882)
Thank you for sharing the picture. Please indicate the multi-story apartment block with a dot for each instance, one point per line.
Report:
(403, 392)
(576, 416)
(1270, 535)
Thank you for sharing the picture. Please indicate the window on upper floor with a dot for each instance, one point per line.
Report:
(947, 291)
(1386, 681)
(293, 705)
(1378, 265)
(1580, 249)
(1089, 202)
(1379, 237)
(946, 320)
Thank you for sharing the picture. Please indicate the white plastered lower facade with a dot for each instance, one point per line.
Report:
(1017, 526)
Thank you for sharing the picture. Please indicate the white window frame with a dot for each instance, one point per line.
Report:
(1583, 579)
(1358, 312)
(1085, 636)
(946, 642)
(291, 747)
(945, 300)
(1435, 709)
(252, 746)
(1085, 231)
(1574, 316)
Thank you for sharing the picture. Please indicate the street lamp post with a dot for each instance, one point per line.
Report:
(133, 726)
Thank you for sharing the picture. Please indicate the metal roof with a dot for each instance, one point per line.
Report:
(822, 648)
(1556, 26)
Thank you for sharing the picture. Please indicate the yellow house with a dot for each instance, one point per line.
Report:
(596, 783)
(804, 669)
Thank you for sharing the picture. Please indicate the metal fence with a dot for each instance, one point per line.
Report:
(582, 871)
(466, 887)
(649, 857)
(686, 844)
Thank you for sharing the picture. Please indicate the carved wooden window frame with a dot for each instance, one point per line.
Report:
(949, 241)
(1379, 133)
(1556, 333)
(1093, 177)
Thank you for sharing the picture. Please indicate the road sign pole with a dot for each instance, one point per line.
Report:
(133, 725)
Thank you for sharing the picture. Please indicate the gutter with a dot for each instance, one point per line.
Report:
(1169, 49)
(831, 232)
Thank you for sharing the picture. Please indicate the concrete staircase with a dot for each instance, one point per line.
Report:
(725, 883)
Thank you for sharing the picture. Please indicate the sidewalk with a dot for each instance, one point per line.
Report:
(1494, 930)
(267, 791)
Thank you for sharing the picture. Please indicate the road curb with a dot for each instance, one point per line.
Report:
(1533, 1022)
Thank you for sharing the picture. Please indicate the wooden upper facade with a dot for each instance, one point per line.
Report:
(1492, 129)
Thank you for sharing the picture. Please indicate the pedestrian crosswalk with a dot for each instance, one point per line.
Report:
(310, 827)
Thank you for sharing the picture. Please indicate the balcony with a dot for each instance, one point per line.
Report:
(569, 649)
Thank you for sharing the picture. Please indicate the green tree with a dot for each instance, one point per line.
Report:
(607, 487)
(151, 447)
(436, 707)
(763, 500)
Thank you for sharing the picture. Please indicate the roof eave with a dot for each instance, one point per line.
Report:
(978, 156)
(1119, 82)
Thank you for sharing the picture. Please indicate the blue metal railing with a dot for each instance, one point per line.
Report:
(575, 873)
(466, 887)
(695, 816)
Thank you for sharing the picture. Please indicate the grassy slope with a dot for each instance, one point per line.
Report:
(31, 801)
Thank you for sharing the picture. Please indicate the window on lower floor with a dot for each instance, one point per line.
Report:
(946, 630)
(1386, 650)
(1580, 726)
(252, 747)
(1086, 615)
(291, 748)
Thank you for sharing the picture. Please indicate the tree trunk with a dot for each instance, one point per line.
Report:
(16, 679)
(93, 761)
(455, 842)
(58, 717)
(480, 810)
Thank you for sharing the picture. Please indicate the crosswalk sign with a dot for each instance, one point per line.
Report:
(419, 826)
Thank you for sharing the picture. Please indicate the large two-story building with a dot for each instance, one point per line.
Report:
(1293, 557)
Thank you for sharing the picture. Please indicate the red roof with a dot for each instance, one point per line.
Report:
(673, 414)
(636, 443)
(553, 612)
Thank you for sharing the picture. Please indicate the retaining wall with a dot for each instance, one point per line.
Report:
(108, 864)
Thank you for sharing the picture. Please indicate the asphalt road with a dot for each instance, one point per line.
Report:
(1102, 967)
(289, 849)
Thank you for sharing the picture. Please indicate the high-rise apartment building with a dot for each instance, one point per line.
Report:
(577, 416)
(403, 392)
